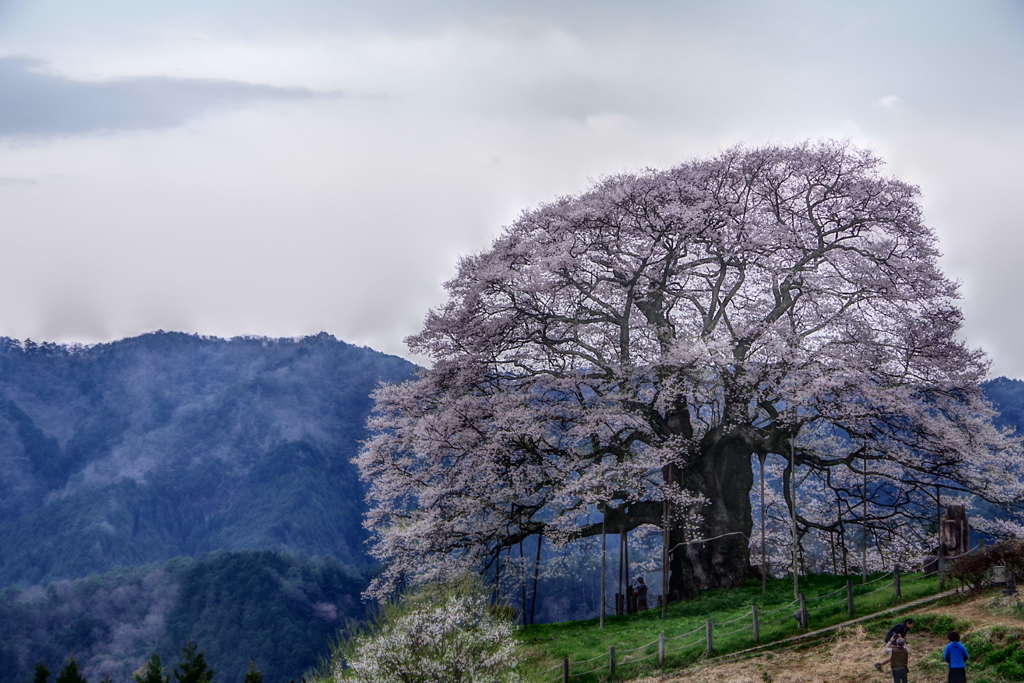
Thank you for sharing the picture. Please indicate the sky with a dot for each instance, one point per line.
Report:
(282, 167)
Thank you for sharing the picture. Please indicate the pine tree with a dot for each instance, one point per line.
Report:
(153, 673)
(193, 669)
(42, 673)
(69, 673)
(253, 675)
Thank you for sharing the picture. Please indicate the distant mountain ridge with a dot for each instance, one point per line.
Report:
(1007, 396)
(170, 444)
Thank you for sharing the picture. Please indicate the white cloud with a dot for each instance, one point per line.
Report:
(41, 104)
(294, 213)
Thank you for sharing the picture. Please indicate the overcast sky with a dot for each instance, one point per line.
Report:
(281, 167)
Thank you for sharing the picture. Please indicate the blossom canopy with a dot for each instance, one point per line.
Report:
(637, 344)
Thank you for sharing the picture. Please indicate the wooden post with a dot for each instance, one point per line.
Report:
(803, 612)
(757, 625)
(764, 541)
(522, 585)
(626, 594)
(661, 649)
(611, 661)
(896, 582)
(864, 527)
(604, 544)
(497, 576)
(792, 488)
(536, 577)
(622, 535)
(565, 670)
(849, 598)
(941, 564)
(664, 566)
(709, 627)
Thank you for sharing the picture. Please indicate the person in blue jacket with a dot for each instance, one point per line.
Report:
(956, 656)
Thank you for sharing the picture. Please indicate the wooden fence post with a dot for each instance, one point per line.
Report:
(941, 565)
(849, 598)
(803, 612)
(757, 625)
(709, 627)
(565, 670)
(661, 649)
(896, 582)
(611, 660)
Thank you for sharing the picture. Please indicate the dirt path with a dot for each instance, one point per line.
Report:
(847, 659)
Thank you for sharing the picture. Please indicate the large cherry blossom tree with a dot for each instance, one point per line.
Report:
(644, 341)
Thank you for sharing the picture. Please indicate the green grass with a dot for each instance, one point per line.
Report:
(997, 652)
(546, 645)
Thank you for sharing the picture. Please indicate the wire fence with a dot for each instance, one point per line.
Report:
(709, 632)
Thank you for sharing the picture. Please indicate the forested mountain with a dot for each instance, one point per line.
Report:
(194, 481)
(169, 444)
(278, 610)
(1007, 395)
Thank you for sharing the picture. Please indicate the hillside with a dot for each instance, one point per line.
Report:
(279, 610)
(1007, 395)
(168, 445)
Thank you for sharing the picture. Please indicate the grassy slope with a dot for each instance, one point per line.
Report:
(992, 635)
(547, 644)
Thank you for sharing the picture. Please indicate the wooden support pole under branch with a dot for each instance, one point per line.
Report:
(604, 546)
(664, 566)
(941, 560)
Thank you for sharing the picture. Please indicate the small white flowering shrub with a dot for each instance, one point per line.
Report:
(444, 634)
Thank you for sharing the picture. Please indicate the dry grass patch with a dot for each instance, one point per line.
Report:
(977, 611)
(847, 659)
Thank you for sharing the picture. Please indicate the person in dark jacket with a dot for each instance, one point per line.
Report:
(956, 656)
(899, 630)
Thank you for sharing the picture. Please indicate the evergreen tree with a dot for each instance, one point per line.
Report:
(69, 673)
(153, 673)
(253, 675)
(42, 673)
(193, 669)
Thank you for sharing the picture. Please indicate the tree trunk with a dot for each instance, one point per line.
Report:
(720, 470)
